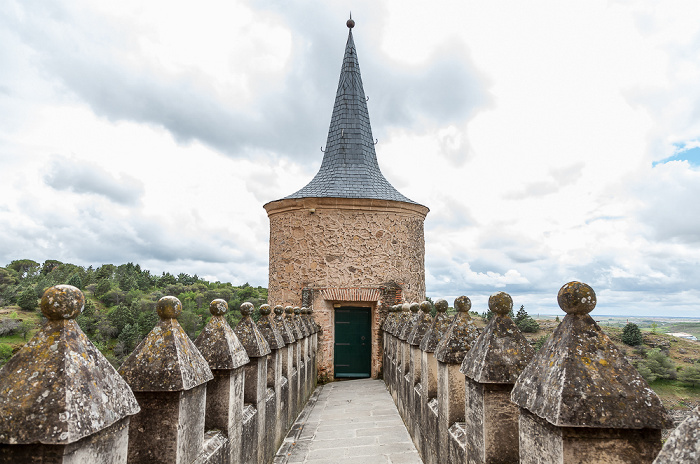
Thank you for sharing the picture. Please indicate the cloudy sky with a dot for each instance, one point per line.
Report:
(552, 141)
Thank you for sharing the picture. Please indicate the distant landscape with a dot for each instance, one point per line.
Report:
(120, 311)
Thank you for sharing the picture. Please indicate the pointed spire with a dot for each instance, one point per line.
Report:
(349, 168)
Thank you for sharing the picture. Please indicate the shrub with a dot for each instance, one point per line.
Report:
(76, 281)
(656, 366)
(690, 375)
(5, 353)
(27, 299)
(528, 325)
(631, 335)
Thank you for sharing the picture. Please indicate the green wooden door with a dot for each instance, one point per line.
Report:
(353, 347)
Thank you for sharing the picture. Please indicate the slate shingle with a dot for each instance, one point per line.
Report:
(349, 168)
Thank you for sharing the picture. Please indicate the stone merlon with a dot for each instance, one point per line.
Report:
(166, 360)
(247, 331)
(460, 336)
(59, 388)
(501, 352)
(218, 342)
(579, 378)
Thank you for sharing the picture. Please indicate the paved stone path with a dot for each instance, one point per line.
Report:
(352, 421)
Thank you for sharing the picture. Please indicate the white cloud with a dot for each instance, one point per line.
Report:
(155, 132)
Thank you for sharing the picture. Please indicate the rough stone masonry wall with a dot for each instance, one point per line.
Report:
(345, 243)
(318, 243)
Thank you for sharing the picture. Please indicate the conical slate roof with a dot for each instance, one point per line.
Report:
(349, 168)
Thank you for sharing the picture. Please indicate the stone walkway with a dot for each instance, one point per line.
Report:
(352, 421)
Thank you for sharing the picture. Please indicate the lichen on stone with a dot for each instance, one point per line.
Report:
(683, 445)
(441, 322)
(166, 360)
(579, 378)
(268, 329)
(501, 352)
(422, 325)
(250, 337)
(59, 388)
(460, 335)
(218, 342)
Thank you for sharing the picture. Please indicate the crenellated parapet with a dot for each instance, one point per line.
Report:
(212, 401)
(492, 399)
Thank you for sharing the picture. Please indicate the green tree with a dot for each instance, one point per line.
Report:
(103, 287)
(87, 320)
(146, 321)
(75, 281)
(8, 278)
(49, 265)
(27, 299)
(121, 316)
(129, 337)
(690, 375)
(24, 267)
(524, 322)
(631, 335)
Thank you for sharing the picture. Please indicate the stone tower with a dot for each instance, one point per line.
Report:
(348, 244)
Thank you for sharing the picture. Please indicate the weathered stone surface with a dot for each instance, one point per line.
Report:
(247, 331)
(408, 327)
(218, 342)
(166, 360)
(460, 335)
(422, 325)
(457, 443)
(403, 318)
(215, 449)
(392, 319)
(438, 328)
(291, 322)
(501, 352)
(580, 378)
(268, 329)
(541, 442)
(683, 446)
(345, 243)
(59, 388)
(303, 329)
(108, 446)
(170, 426)
(282, 325)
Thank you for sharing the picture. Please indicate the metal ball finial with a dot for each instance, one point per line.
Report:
(350, 22)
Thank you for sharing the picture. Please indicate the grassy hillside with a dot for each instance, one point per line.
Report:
(120, 302)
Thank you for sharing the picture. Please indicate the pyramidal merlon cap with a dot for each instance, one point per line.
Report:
(349, 168)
